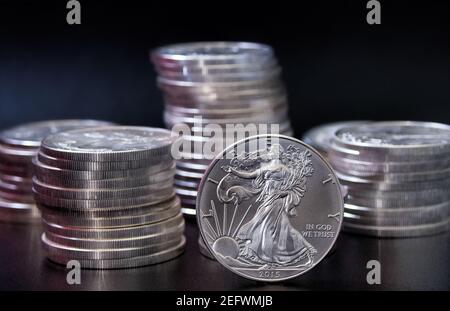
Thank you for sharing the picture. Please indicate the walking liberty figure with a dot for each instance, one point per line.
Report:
(277, 178)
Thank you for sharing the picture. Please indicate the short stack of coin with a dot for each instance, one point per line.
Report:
(224, 83)
(107, 198)
(397, 176)
(18, 146)
(321, 136)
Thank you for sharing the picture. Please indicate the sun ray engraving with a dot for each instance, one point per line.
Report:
(224, 218)
(242, 220)
(232, 218)
(208, 224)
(216, 218)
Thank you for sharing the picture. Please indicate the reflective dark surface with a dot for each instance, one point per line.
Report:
(406, 264)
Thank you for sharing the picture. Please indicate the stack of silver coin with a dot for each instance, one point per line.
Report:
(18, 146)
(320, 137)
(397, 176)
(107, 198)
(223, 83)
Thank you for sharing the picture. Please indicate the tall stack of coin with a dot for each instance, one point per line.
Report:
(397, 175)
(18, 146)
(223, 84)
(107, 198)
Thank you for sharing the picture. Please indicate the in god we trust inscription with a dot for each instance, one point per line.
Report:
(269, 207)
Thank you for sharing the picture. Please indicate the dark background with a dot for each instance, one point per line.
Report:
(335, 65)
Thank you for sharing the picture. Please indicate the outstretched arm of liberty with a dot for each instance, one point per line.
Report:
(241, 173)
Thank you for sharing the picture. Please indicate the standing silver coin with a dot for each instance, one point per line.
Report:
(269, 208)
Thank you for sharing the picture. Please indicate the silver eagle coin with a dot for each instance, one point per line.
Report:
(269, 208)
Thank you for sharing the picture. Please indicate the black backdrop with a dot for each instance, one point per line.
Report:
(335, 65)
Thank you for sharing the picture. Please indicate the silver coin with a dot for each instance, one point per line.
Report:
(224, 81)
(410, 220)
(114, 233)
(222, 98)
(152, 216)
(188, 211)
(368, 167)
(107, 204)
(186, 192)
(114, 143)
(44, 171)
(320, 137)
(277, 118)
(114, 183)
(230, 94)
(400, 202)
(176, 70)
(187, 87)
(190, 104)
(249, 200)
(157, 238)
(220, 75)
(191, 166)
(213, 53)
(99, 194)
(225, 112)
(162, 256)
(15, 154)
(397, 138)
(102, 166)
(222, 109)
(180, 70)
(103, 215)
(186, 184)
(441, 210)
(31, 135)
(365, 185)
(394, 231)
(351, 176)
(189, 174)
(185, 188)
(415, 195)
(188, 179)
(53, 248)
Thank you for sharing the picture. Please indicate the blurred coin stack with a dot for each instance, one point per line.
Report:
(224, 83)
(320, 137)
(397, 175)
(18, 146)
(107, 198)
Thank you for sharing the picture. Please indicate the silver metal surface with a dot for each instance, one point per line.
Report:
(114, 143)
(272, 211)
